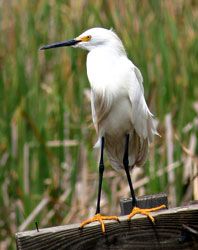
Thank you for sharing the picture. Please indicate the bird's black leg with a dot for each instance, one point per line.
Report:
(135, 209)
(101, 170)
(126, 167)
(98, 216)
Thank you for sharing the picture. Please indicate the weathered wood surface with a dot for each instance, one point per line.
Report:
(145, 201)
(175, 228)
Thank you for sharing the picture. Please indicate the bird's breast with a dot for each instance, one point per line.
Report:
(104, 70)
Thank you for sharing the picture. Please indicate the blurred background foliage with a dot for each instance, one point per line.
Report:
(47, 163)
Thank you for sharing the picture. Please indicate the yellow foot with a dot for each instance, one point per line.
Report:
(145, 211)
(100, 218)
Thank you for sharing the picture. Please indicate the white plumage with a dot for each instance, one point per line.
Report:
(117, 98)
(123, 122)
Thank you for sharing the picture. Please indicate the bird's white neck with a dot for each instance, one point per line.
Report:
(101, 66)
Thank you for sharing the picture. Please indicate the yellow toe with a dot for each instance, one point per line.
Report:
(100, 218)
(145, 211)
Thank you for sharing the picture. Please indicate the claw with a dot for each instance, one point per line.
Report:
(100, 218)
(145, 211)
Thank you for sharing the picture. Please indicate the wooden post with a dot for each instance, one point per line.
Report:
(145, 201)
(175, 228)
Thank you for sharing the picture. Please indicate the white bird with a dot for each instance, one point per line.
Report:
(122, 119)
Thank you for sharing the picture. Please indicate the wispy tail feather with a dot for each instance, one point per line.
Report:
(138, 150)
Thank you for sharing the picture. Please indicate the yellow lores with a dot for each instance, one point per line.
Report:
(84, 38)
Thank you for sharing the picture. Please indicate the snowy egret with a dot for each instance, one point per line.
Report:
(123, 122)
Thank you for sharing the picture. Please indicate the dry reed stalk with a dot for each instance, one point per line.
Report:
(191, 125)
(66, 132)
(4, 159)
(5, 195)
(114, 188)
(152, 160)
(170, 151)
(188, 166)
(64, 143)
(4, 245)
(82, 189)
(195, 180)
(14, 138)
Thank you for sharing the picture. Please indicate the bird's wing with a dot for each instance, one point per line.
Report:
(93, 111)
(142, 118)
(100, 105)
(139, 78)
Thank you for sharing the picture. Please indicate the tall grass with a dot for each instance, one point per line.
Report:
(43, 98)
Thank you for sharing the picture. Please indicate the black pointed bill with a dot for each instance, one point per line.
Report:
(61, 44)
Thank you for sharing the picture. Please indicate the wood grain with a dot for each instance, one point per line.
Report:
(175, 228)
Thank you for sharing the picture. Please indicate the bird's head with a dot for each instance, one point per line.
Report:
(91, 39)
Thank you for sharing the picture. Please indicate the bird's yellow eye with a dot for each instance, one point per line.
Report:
(86, 38)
